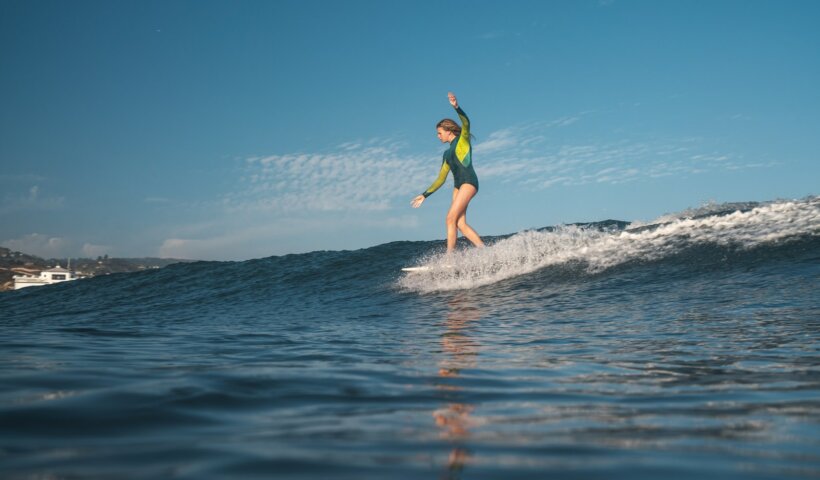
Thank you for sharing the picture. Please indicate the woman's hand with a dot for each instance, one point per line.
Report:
(453, 101)
(416, 202)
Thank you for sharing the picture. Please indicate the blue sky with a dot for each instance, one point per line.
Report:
(235, 130)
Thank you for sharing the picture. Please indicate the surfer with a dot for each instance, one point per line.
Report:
(458, 159)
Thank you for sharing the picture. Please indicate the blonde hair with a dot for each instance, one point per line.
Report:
(449, 126)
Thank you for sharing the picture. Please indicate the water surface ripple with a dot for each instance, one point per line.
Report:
(701, 360)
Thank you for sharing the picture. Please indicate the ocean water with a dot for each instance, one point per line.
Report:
(688, 347)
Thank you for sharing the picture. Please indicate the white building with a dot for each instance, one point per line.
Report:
(47, 277)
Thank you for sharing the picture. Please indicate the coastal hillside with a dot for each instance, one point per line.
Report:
(18, 263)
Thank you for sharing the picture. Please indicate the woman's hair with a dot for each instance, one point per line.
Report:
(450, 126)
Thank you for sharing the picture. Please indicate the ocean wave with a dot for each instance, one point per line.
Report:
(575, 250)
(599, 249)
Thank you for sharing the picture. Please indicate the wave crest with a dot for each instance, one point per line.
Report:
(600, 249)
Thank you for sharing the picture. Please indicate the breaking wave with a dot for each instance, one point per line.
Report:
(598, 247)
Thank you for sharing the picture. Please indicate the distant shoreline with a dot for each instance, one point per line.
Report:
(18, 263)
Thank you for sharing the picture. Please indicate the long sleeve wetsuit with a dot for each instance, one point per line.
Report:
(458, 159)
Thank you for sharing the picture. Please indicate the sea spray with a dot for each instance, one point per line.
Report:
(600, 249)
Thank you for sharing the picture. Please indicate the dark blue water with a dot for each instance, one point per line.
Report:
(689, 348)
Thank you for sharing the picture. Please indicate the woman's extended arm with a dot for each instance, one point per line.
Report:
(442, 176)
(465, 122)
(463, 149)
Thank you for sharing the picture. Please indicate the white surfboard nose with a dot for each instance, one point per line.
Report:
(415, 269)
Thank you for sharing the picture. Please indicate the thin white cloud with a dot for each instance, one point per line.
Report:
(497, 141)
(350, 145)
(564, 121)
(553, 181)
(196, 249)
(25, 178)
(56, 246)
(41, 245)
(492, 35)
(356, 176)
(524, 154)
(32, 199)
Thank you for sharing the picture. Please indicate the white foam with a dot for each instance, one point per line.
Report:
(528, 251)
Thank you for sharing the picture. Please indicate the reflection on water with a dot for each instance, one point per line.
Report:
(461, 352)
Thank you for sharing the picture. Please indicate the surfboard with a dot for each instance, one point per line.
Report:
(427, 268)
(416, 269)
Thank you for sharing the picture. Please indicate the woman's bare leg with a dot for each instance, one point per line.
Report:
(457, 217)
(468, 231)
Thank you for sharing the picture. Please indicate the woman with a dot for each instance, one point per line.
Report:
(457, 158)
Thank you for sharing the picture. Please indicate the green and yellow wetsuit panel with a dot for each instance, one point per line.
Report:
(458, 159)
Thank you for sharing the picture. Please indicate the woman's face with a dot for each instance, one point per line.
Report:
(444, 135)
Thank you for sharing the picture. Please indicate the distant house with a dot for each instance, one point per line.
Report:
(47, 277)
